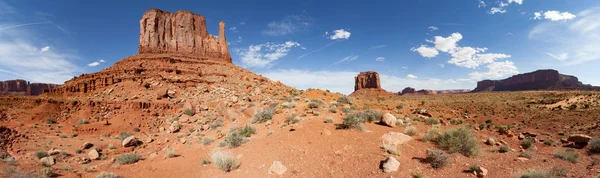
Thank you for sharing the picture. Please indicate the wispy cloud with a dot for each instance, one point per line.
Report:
(317, 50)
(347, 58)
(263, 55)
(377, 47)
(380, 59)
(411, 76)
(288, 25)
(96, 63)
(22, 25)
(433, 28)
(340, 34)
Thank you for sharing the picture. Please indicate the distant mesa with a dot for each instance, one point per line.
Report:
(24, 88)
(538, 80)
(367, 84)
(412, 91)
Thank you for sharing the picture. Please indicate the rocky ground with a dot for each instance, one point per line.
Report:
(309, 134)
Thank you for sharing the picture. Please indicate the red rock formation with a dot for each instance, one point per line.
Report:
(537, 80)
(366, 80)
(24, 88)
(183, 33)
(407, 90)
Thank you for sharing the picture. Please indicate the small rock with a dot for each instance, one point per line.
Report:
(129, 141)
(395, 138)
(490, 141)
(389, 120)
(54, 151)
(204, 108)
(171, 93)
(522, 159)
(83, 160)
(86, 145)
(182, 140)
(47, 161)
(390, 165)
(481, 172)
(579, 138)
(93, 154)
(277, 168)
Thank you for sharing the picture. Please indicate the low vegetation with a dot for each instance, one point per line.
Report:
(234, 139)
(504, 149)
(431, 121)
(128, 158)
(390, 148)
(569, 155)
(170, 153)
(247, 131)
(344, 100)
(594, 145)
(557, 171)
(47, 171)
(459, 140)
(527, 142)
(410, 131)
(437, 158)
(224, 160)
(40, 154)
(107, 175)
(263, 115)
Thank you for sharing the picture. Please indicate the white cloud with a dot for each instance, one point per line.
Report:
(469, 57)
(379, 59)
(288, 25)
(425, 51)
(433, 28)
(560, 57)
(340, 34)
(554, 15)
(496, 70)
(572, 42)
(347, 58)
(495, 10)
(520, 2)
(96, 63)
(264, 54)
(45, 49)
(481, 4)
(233, 29)
(502, 6)
(442, 65)
(448, 43)
(343, 81)
(411, 76)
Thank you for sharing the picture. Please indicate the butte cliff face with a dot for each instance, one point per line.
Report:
(537, 80)
(368, 79)
(24, 88)
(182, 33)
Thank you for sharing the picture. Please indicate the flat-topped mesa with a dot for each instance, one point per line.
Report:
(368, 79)
(537, 80)
(183, 33)
(23, 87)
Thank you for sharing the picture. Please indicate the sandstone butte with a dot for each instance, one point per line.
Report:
(367, 84)
(24, 88)
(537, 80)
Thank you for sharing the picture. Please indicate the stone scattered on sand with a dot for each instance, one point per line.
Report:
(47, 161)
(395, 138)
(579, 138)
(93, 154)
(389, 120)
(277, 168)
(390, 165)
(129, 141)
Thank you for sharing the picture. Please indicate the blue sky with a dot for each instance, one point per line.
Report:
(425, 44)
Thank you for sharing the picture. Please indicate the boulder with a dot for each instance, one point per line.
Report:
(93, 154)
(390, 165)
(389, 120)
(579, 138)
(277, 168)
(129, 141)
(395, 138)
(481, 172)
(490, 141)
(47, 161)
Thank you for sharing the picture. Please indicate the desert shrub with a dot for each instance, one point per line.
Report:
(344, 100)
(234, 139)
(40, 154)
(503, 129)
(431, 121)
(188, 112)
(83, 121)
(292, 119)
(333, 110)
(288, 105)
(170, 152)
(124, 135)
(205, 162)
(224, 160)
(390, 148)
(556, 171)
(399, 106)
(411, 131)
(50, 121)
(526, 154)
(474, 167)
(456, 121)
(504, 149)
(328, 120)
(313, 104)
(372, 115)
(352, 121)
(78, 151)
(14, 172)
(128, 158)
(431, 134)
(569, 155)
(247, 131)
(263, 115)
(595, 145)
(346, 109)
(217, 123)
(135, 129)
(207, 140)
(437, 158)
(548, 142)
(48, 172)
(107, 175)
(459, 140)
(527, 142)
(10, 161)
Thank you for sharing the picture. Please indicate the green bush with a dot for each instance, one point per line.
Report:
(40, 154)
(595, 145)
(456, 121)
(569, 155)
(372, 115)
(291, 119)
(557, 171)
(263, 115)
(217, 123)
(313, 105)
(247, 131)
(328, 120)
(48, 172)
(224, 160)
(188, 112)
(390, 148)
(504, 149)
(353, 121)
(431, 121)
(431, 134)
(527, 142)
(234, 139)
(107, 175)
(399, 106)
(526, 154)
(333, 110)
(346, 109)
(128, 158)
(437, 158)
(207, 140)
(459, 140)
